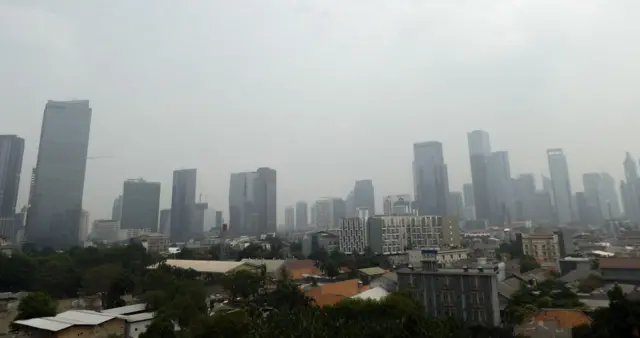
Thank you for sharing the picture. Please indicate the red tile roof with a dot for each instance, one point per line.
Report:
(330, 294)
(565, 319)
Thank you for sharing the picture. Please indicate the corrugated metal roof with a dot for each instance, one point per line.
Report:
(139, 317)
(44, 324)
(272, 265)
(84, 317)
(376, 294)
(125, 310)
(203, 266)
(373, 271)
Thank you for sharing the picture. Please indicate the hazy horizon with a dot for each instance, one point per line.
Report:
(326, 92)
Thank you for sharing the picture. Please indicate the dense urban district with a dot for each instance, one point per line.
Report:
(501, 257)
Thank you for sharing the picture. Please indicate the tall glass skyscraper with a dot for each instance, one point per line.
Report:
(11, 151)
(430, 178)
(140, 205)
(183, 200)
(253, 202)
(561, 186)
(58, 179)
(479, 153)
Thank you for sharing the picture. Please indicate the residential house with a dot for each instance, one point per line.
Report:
(297, 269)
(368, 274)
(553, 323)
(332, 293)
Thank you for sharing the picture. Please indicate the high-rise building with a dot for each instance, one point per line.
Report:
(479, 152)
(183, 198)
(430, 178)
(601, 197)
(524, 193)
(397, 204)
(329, 212)
(252, 202)
(165, 222)
(58, 180)
(582, 208)
(364, 196)
(11, 151)
(350, 204)
(561, 185)
(198, 219)
(302, 217)
(499, 188)
(140, 205)
(289, 218)
(467, 193)
(455, 205)
(83, 230)
(219, 219)
(116, 210)
(630, 189)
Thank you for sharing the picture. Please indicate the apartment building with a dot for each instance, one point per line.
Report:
(471, 295)
(397, 234)
(354, 234)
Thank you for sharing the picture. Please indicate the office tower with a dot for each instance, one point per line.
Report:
(601, 197)
(266, 200)
(479, 152)
(455, 204)
(561, 185)
(499, 188)
(467, 193)
(209, 219)
(328, 213)
(83, 230)
(219, 219)
(314, 215)
(165, 222)
(58, 180)
(364, 196)
(183, 198)
(116, 210)
(140, 205)
(582, 208)
(430, 178)
(630, 189)
(11, 151)
(630, 168)
(524, 194)
(289, 218)
(350, 204)
(543, 207)
(107, 231)
(198, 217)
(302, 217)
(252, 202)
(397, 204)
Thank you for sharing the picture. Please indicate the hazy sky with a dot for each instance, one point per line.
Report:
(324, 91)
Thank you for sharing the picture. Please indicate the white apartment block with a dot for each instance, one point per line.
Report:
(353, 235)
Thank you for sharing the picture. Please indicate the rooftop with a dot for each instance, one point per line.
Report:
(475, 272)
(375, 294)
(203, 266)
(619, 263)
(125, 310)
(272, 265)
(67, 319)
(565, 319)
(329, 294)
(373, 271)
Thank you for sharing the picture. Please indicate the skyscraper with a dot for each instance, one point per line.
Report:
(289, 218)
(252, 202)
(499, 188)
(524, 191)
(479, 152)
(455, 204)
(11, 151)
(630, 189)
(183, 199)
(561, 185)
(165, 222)
(601, 197)
(140, 205)
(397, 204)
(302, 217)
(266, 200)
(430, 178)
(364, 196)
(467, 193)
(58, 182)
(116, 210)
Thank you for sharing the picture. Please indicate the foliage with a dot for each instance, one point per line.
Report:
(528, 263)
(509, 250)
(36, 304)
(590, 284)
(112, 271)
(620, 319)
(550, 294)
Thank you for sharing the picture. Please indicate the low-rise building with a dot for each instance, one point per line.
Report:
(469, 295)
(107, 231)
(314, 241)
(620, 269)
(553, 323)
(368, 274)
(155, 242)
(544, 247)
(73, 323)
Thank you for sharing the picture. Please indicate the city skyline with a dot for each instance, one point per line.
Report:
(496, 77)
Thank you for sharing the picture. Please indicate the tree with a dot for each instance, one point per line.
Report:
(243, 283)
(528, 263)
(35, 305)
(590, 284)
